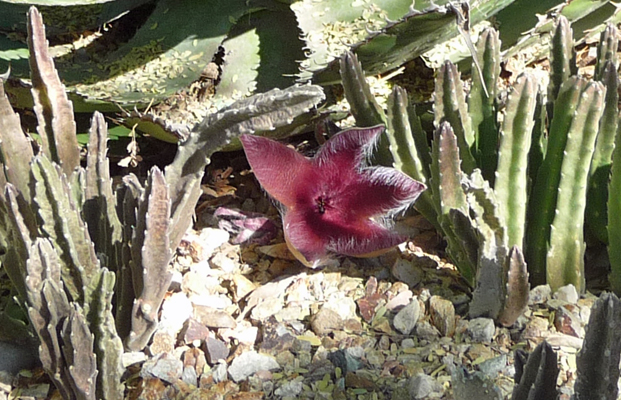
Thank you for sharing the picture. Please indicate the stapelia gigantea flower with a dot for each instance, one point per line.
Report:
(333, 203)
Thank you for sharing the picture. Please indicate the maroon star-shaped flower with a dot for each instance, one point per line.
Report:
(333, 203)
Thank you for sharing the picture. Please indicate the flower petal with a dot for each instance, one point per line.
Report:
(279, 169)
(347, 149)
(379, 190)
(316, 236)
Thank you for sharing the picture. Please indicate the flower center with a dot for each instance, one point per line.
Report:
(321, 203)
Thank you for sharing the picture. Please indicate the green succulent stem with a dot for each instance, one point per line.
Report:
(565, 257)
(542, 202)
(511, 185)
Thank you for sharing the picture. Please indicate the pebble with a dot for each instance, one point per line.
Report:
(422, 386)
(189, 376)
(567, 322)
(290, 389)
(215, 350)
(400, 300)
(266, 309)
(165, 367)
(539, 294)
(219, 372)
(250, 362)
(162, 342)
(407, 272)
(326, 321)
(221, 261)
(345, 307)
(407, 317)
(213, 318)
(176, 309)
(194, 332)
(132, 357)
(426, 331)
(481, 330)
(211, 239)
(567, 293)
(442, 314)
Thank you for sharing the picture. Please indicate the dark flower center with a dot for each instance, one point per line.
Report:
(321, 203)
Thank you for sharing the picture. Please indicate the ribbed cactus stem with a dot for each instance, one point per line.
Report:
(614, 218)
(597, 362)
(362, 103)
(599, 173)
(606, 49)
(565, 258)
(482, 102)
(450, 106)
(405, 152)
(515, 141)
(562, 57)
(451, 203)
(542, 202)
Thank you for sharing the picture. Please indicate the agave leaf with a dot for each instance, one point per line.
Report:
(409, 37)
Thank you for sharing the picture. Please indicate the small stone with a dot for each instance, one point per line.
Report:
(290, 389)
(189, 376)
(567, 322)
(481, 330)
(442, 314)
(221, 261)
(163, 342)
(423, 386)
(250, 362)
(211, 239)
(539, 294)
(165, 367)
(567, 293)
(493, 366)
(241, 286)
(266, 309)
(194, 332)
(426, 331)
(400, 300)
(213, 318)
(344, 306)
(215, 350)
(195, 282)
(407, 272)
(358, 381)
(408, 343)
(219, 372)
(352, 325)
(132, 357)
(326, 321)
(535, 328)
(406, 319)
(176, 309)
